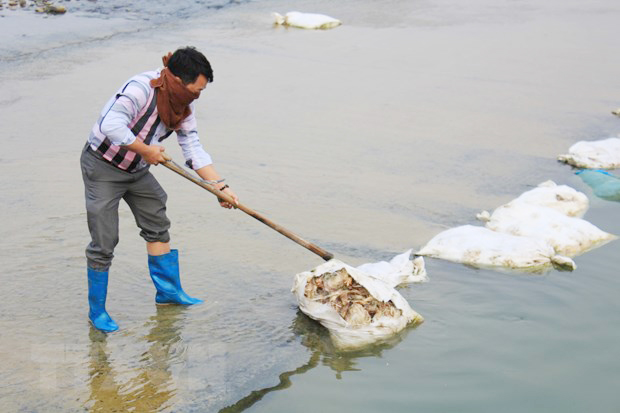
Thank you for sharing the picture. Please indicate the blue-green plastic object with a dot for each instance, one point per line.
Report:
(604, 184)
(97, 292)
(164, 271)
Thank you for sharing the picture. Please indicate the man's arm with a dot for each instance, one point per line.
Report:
(208, 173)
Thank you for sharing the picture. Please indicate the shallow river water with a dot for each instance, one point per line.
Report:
(367, 139)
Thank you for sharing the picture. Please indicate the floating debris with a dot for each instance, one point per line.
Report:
(604, 184)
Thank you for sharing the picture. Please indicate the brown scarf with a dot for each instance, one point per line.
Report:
(173, 97)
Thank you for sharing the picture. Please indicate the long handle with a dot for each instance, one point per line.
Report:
(173, 166)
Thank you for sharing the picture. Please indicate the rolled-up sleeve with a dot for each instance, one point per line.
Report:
(187, 135)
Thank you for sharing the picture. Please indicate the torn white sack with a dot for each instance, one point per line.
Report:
(604, 153)
(345, 292)
(399, 270)
(306, 20)
(480, 247)
(569, 236)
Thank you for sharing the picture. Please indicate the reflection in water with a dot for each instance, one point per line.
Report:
(316, 338)
(604, 184)
(153, 387)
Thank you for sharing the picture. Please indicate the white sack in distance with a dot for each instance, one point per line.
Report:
(306, 20)
(603, 154)
(378, 328)
(483, 248)
(562, 198)
(569, 236)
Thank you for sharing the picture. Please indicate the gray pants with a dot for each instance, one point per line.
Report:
(104, 186)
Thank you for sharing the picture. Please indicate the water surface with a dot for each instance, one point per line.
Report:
(367, 140)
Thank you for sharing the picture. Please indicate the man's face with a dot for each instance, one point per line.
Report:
(199, 85)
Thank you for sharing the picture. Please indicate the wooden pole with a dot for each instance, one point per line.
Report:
(170, 164)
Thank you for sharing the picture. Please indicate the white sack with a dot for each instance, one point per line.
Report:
(481, 247)
(400, 270)
(562, 198)
(306, 20)
(603, 153)
(344, 335)
(569, 236)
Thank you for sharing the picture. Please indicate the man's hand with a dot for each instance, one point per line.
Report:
(208, 173)
(231, 194)
(153, 154)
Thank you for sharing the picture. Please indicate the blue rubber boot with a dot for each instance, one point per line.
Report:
(164, 271)
(97, 292)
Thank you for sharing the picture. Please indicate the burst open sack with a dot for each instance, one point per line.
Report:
(357, 308)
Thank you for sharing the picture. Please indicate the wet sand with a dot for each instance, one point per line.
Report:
(367, 140)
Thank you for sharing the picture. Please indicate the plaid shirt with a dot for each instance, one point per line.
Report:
(132, 114)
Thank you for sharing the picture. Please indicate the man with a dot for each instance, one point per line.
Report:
(115, 165)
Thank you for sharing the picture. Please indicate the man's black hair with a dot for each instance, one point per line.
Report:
(188, 63)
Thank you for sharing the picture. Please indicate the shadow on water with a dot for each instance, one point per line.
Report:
(604, 184)
(153, 387)
(322, 352)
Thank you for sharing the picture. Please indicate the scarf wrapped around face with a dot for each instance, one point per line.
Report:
(173, 97)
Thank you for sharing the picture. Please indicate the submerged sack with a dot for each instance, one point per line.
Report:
(357, 308)
(569, 236)
(483, 248)
(604, 184)
(603, 153)
(306, 20)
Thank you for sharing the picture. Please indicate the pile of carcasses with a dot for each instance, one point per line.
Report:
(357, 307)
(349, 298)
(539, 229)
